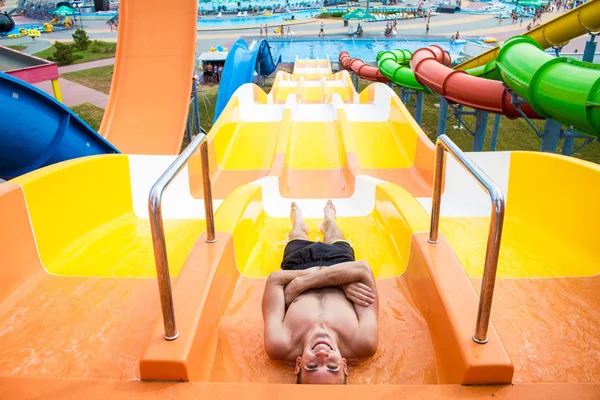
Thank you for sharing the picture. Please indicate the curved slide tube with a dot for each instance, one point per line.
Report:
(360, 68)
(39, 131)
(556, 32)
(239, 68)
(394, 66)
(460, 87)
(149, 98)
(487, 71)
(562, 88)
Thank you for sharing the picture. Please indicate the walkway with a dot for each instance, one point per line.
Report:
(75, 94)
(87, 65)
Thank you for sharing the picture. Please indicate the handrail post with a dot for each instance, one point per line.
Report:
(162, 263)
(492, 253)
(207, 189)
(436, 200)
(158, 232)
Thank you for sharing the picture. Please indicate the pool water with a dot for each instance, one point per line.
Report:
(211, 22)
(365, 49)
(18, 28)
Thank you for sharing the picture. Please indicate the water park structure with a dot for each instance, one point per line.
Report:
(487, 288)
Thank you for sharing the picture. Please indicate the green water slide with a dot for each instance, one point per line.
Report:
(487, 71)
(564, 89)
(394, 66)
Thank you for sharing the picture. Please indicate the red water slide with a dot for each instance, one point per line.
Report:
(360, 68)
(459, 87)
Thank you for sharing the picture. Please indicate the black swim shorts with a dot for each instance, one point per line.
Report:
(302, 254)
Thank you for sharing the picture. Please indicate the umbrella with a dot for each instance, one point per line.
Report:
(359, 14)
(63, 11)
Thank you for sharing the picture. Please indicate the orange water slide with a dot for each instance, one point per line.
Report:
(148, 103)
(460, 87)
(360, 68)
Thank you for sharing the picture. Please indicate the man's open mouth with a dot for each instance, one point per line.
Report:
(322, 345)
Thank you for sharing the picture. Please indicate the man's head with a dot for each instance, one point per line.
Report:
(321, 363)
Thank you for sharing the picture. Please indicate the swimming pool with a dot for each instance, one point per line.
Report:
(18, 28)
(366, 49)
(254, 20)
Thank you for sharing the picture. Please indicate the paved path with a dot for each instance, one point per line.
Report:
(87, 65)
(75, 94)
(32, 46)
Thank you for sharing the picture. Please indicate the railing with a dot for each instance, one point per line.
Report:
(495, 232)
(158, 232)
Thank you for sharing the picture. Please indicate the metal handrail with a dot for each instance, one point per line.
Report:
(158, 232)
(444, 143)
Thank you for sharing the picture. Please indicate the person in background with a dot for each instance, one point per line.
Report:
(322, 31)
(457, 35)
(220, 69)
(281, 30)
(427, 29)
(289, 32)
(261, 30)
(208, 72)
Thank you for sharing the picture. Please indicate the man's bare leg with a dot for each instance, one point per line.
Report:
(331, 232)
(299, 228)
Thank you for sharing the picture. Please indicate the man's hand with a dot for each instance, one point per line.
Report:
(359, 293)
(296, 286)
(292, 291)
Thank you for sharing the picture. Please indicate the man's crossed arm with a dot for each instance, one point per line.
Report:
(355, 278)
(358, 283)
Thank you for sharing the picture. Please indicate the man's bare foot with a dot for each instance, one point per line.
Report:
(296, 215)
(329, 212)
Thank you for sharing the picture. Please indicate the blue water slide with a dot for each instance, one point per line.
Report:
(36, 130)
(239, 68)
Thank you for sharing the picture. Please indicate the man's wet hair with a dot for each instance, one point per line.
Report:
(299, 378)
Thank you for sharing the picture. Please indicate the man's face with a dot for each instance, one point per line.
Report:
(321, 363)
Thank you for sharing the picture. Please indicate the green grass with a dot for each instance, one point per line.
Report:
(96, 78)
(207, 98)
(87, 55)
(17, 47)
(90, 113)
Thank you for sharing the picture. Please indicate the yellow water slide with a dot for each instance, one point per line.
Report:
(556, 32)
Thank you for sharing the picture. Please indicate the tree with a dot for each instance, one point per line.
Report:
(63, 54)
(82, 41)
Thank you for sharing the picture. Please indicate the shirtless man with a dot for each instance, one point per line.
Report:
(321, 304)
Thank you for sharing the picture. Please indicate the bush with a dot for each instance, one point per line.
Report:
(63, 54)
(332, 15)
(103, 47)
(82, 41)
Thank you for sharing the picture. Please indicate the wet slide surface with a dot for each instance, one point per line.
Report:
(114, 320)
(557, 339)
(405, 355)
